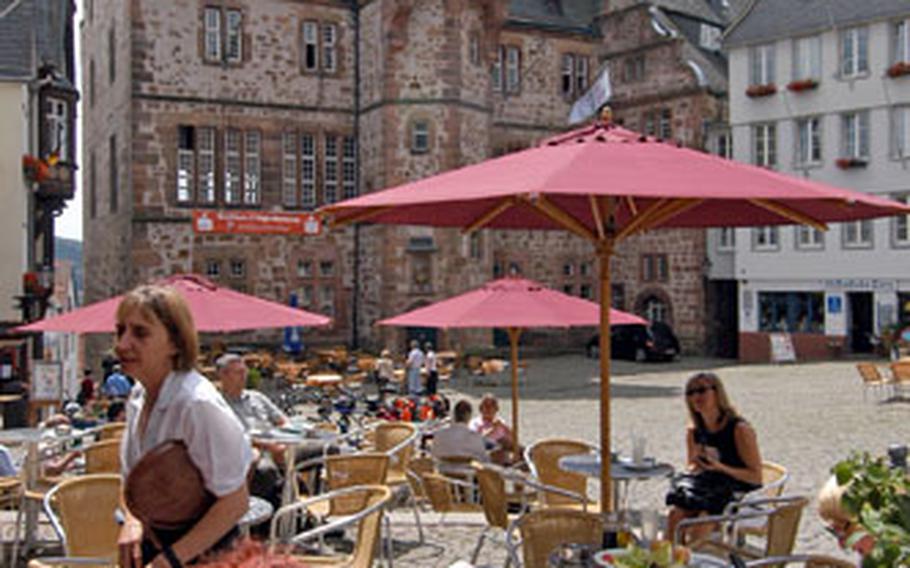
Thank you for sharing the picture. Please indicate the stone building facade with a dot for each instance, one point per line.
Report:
(235, 104)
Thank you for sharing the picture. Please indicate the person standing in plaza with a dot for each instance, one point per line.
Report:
(414, 366)
(432, 369)
(156, 343)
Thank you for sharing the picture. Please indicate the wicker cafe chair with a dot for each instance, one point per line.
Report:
(543, 530)
(10, 489)
(439, 491)
(872, 378)
(347, 471)
(82, 512)
(900, 372)
(112, 431)
(782, 513)
(543, 458)
(805, 560)
(103, 457)
(396, 440)
(774, 480)
(372, 499)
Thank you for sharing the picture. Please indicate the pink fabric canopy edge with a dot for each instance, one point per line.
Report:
(510, 302)
(214, 308)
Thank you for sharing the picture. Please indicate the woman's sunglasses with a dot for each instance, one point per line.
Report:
(698, 390)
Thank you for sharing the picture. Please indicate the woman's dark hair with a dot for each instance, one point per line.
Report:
(114, 410)
(462, 411)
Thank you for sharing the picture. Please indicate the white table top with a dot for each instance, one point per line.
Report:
(589, 465)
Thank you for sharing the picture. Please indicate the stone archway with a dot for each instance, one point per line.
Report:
(654, 304)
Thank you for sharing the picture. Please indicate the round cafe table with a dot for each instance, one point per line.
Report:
(258, 512)
(622, 472)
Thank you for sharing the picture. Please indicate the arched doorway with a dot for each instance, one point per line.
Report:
(655, 305)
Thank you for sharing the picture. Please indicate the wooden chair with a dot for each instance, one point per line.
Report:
(782, 513)
(112, 431)
(872, 379)
(543, 530)
(82, 512)
(103, 457)
(805, 560)
(372, 499)
(900, 372)
(543, 458)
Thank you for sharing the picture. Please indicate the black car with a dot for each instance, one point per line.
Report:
(653, 342)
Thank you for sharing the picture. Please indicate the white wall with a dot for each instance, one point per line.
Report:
(14, 195)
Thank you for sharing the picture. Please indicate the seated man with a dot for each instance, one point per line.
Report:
(116, 385)
(457, 440)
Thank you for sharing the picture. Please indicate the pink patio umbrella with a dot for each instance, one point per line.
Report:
(604, 184)
(512, 304)
(214, 308)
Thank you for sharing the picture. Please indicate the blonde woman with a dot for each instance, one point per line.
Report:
(719, 442)
(837, 520)
(156, 343)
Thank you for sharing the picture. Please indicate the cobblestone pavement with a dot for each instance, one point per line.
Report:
(807, 417)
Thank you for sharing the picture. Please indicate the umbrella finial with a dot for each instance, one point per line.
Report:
(606, 115)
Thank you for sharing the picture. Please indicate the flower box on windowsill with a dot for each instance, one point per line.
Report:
(755, 91)
(802, 85)
(847, 163)
(899, 69)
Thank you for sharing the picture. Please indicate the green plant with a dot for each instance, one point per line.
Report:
(879, 498)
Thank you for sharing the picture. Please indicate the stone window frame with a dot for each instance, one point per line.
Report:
(655, 267)
(348, 166)
(237, 268)
(634, 67)
(326, 46)
(312, 160)
(575, 70)
(331, 164)
(327, 299)
(236, 157)
(421, 270)
(224, 34)
(326, 268)
(510, 86)
(803, 156)
(656, 120)
(212, 268)
(414, 125)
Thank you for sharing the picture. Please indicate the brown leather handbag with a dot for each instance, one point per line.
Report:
(165, 490)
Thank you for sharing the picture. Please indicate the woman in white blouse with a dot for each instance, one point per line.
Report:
(157, 345)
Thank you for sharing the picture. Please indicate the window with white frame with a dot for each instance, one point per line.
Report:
(307, 171)
(568, 74)
(857, 234)
(329, 48)
(289, 169)
(420, 137)
(808, 141)
(233, 41)
(902, 41)
(764, 145)
(574, 75)
(809, 238)
(212, 31)
(330, 167)
(900, 131)
(186, 161)
(581, 75)
(348, 167)
(212, 267)
(252, 170)
(765, 238)
(655, 309)
(309, 39)
(205, 138)
(855, 135)
(512, 68)
(807, 58)
(232, 166)
(761, 64)
(666, 124)
(854, 59)
(901, 225)
(726, 239)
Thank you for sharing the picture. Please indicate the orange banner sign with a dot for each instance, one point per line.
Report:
(255, 222)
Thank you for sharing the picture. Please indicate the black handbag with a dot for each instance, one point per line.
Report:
(708, 491)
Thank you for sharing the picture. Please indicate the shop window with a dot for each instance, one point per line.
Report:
(792, 312)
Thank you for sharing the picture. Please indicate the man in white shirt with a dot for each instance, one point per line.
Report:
(458, 440)
(432, 371)
(414, 366)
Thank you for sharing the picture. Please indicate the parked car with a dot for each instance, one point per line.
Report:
(652, 342)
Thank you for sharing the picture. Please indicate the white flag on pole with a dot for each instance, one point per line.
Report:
(591, 101)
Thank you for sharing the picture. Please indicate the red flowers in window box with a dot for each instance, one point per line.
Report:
(802, 85)
(847, 163)
(899, 68)
(761, 90)
(35, 169)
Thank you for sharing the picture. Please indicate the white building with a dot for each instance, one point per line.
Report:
(821, 89)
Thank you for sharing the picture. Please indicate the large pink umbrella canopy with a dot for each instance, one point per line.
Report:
(513, 304)
(214, 308)
(604, 183)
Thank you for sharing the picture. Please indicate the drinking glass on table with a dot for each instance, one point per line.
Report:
(650, 524)
(639, 444)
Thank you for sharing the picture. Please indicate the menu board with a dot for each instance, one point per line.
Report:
(782, 347)
(47, 381)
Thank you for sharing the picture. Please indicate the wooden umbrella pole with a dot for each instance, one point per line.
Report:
(514, 334)
(605, 252)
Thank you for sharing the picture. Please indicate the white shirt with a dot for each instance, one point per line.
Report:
(191, 410)
(415, 359)
(431, 360)
(459, 441)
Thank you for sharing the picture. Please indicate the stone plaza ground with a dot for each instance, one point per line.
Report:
(807, 416)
